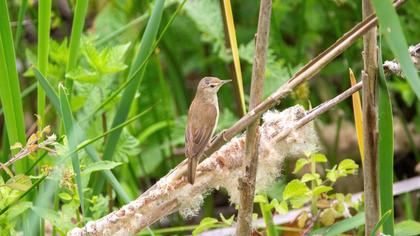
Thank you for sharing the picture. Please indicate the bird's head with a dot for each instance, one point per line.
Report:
(211, 84)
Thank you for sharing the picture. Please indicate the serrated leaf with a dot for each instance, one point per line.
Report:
(300, 163)
(294, 188)
(83, 75)
(318, 157)
(100, 165)
(321, 189)
(19, 182)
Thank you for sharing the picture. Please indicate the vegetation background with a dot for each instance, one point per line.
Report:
(87, 60)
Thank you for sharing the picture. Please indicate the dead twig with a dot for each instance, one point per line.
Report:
(247, 181)
(370, 122)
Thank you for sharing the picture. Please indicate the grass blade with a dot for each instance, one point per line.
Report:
(67, 116)
(391, 29)
(357, 110)
(230, 27)
(341, 226)
(90, 150)
(21, 15)
(10, 88)
(385, 150)
(44, 21)
(128, 94)
(76, 34)
(381, 221)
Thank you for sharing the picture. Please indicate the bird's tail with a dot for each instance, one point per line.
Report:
(192, 166)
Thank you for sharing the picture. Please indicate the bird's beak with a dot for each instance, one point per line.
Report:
(226, 81)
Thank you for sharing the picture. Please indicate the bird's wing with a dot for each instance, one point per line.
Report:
(199, 132)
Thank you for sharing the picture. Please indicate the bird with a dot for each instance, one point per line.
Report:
(202, 120)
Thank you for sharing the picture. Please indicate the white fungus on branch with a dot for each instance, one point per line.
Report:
(221, 170)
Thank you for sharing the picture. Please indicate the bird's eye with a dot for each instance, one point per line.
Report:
(212, 86)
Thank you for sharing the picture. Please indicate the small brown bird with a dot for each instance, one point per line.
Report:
(202, 121)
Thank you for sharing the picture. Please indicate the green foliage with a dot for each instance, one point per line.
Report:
(407, 228)
(209, 223)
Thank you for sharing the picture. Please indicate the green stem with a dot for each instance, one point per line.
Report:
(76, 35)
(268, 219)
(314, 209)
(44, 21)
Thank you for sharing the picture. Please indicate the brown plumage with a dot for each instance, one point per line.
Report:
(202, 121)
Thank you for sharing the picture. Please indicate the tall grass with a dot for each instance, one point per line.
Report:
(131, 89)
(10, 88)
(385, 150)
(76, 34)
(44, 21)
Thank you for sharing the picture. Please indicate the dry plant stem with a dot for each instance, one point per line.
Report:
(247, 182)
(370, 123)
(153, 205)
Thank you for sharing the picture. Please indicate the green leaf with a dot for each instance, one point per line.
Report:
(348, 166)
(294, 188)
(385, 148)
(321, 189)
(300, 163)
(10, 88)
(381, 221)
(65, 197)
(72, 137)
(260, 199)
(227, 221)
(391, 29)
(341, 226)
(299, 201)
(309, 177)
(83, 76)
(318, 157)
(332, 175)
(407, 228)
(100, 165)
(281, 208)
(19, 182)
(205, 223)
